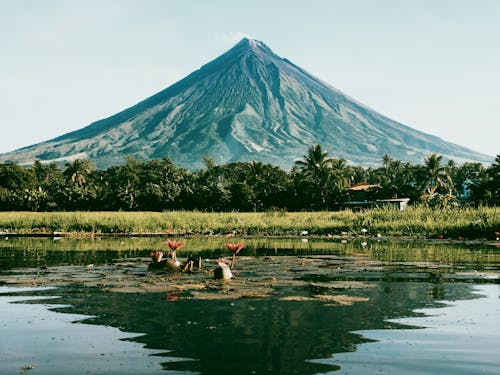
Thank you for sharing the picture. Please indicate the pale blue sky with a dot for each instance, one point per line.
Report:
(432, 65)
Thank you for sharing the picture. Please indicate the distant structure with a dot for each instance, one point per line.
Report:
(366, 196)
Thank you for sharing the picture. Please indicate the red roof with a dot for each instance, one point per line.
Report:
(360, 187)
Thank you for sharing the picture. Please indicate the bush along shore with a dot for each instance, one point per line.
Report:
(459, 223)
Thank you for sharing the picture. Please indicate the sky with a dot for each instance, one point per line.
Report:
(433, 65)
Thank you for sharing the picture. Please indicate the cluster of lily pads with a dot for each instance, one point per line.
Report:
(170, 261)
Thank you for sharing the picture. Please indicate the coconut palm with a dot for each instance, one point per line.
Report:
(387, 161)
(436, 175)
(315, 172)
(316, 163)
(78, 171)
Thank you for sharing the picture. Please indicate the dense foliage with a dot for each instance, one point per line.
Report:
(315, 183)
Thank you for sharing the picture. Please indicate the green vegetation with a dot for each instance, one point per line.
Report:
(466, 223)
(316, 183)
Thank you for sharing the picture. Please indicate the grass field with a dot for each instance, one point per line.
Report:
(463, 222)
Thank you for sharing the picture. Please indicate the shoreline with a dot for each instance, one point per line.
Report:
(334, 238)
(417, 223)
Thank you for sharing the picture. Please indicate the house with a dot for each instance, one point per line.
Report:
(362, 192)
(364, 196)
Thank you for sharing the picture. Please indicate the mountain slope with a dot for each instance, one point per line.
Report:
(248, 104)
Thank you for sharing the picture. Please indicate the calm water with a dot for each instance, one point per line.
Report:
(452, 291)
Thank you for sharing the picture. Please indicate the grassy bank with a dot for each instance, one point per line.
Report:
(464, 222)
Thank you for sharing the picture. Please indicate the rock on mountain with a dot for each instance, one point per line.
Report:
(247, 104)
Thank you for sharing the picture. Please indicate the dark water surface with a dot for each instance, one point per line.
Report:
(77, 329)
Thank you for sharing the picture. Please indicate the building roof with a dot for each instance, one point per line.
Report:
(361, 187)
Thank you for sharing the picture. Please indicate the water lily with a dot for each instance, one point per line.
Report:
(156, 256)
(235, 248)
(174, 245)
(223, 271)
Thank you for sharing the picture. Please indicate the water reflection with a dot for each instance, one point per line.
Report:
(39, 252)
(34, 338)
(247, 336)
(459, 338)
(254, 336)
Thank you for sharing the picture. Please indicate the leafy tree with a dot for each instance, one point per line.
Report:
(80, 192)
(162, 183)
(14, 181)
(312, 175)
(436, 176)
(317, 182)
(487, 192)
(78, 171)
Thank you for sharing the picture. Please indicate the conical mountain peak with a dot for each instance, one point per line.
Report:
(247, 47)
(252, 43)
(247, 104)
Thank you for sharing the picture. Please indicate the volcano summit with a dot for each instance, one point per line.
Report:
(247, 104)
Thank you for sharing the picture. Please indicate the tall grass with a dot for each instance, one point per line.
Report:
(480, 222)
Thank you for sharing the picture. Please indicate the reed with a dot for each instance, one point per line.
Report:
(468, 222)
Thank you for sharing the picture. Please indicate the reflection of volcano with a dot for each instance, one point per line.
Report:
(245, 335)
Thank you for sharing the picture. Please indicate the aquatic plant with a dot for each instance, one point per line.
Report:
(174, 245)
(223, 272)
(156, 256)
(235, 248)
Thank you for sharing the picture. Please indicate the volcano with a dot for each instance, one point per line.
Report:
(247, 104)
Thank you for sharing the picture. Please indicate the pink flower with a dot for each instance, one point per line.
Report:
(223, 260)
(235, 247)
(156, 256)
(174, 245)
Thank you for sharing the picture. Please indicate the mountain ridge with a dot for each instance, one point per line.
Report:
(247, 104)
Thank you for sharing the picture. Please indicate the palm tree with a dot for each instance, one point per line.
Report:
(387, 161)
(315, 163)
(436, 175)
(316, 169)
(338, 164)
(78, 171)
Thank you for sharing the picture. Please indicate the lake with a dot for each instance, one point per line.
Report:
(295, 306)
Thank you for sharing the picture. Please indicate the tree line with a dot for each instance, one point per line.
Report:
(317, 182)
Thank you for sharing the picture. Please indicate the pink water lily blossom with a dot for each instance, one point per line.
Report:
(235, 248)
(156, 256)
(174, 245)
